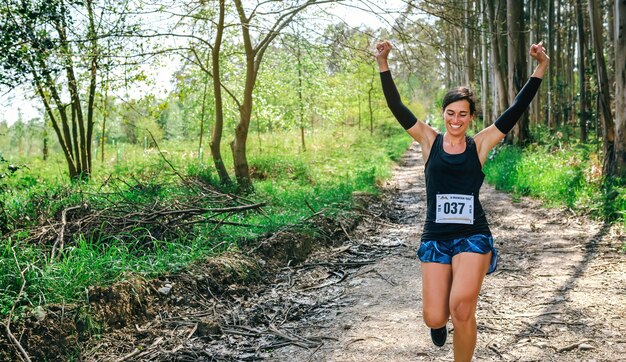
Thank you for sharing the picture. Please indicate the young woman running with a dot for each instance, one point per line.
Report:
(456, 250)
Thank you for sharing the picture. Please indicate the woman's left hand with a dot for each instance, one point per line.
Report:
(538, 52)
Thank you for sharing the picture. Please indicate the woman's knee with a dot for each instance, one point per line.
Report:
(463, 310)
(435, 319)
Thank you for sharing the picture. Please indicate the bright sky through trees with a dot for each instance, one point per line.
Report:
(354, 13)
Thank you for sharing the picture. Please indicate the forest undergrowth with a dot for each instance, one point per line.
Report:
(147, 212)
(561, 173)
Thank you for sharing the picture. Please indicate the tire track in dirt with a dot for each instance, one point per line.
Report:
(559, 293)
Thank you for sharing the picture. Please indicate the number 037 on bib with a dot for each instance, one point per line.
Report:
(455, 209)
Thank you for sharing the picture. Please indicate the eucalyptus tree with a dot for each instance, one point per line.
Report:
(484, 65)
(516, 55)
(497, 29)
(55, 47)
(604, 97)
(582, 76)
(620, 87)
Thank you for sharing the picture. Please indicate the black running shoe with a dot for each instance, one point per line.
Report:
(439, 335)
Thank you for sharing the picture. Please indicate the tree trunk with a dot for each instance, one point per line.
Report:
(93, 77)
(358, 99)
(572, 35)
(517, 64)
(558, 69)
(254, 56)
(216, 138)
(202, 116)
(369, 101)
(550, 75)
(532, 28)
(620, 87)
(502, 102)
(238, 145)
(610, 35)
(105, 114)
(300, 97)
(604, 111)
(74, 48)
(582, 78)
(82, 127)
(45, 151)
(484, 82)
(469, 44)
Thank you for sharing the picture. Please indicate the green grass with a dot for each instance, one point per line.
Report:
(560, 176)
(335, 164)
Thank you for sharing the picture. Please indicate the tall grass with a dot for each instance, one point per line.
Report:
(569, 176)
(334, 165)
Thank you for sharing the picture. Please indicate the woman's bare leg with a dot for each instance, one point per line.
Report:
(468, 272)
(436, 284)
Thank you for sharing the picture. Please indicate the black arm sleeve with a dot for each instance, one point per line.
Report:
(399, 110)
(507, 120)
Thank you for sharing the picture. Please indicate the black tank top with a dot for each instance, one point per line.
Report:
(453, 176)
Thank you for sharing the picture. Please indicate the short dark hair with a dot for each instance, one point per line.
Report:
(457, 94)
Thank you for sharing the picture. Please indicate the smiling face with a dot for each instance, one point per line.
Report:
(458, 108)
(457, 116)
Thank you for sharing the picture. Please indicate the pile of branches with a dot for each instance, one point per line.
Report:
(119, 218)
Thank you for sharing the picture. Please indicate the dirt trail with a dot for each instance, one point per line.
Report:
(559, 293)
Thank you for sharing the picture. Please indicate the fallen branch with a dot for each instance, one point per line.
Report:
(207, 210)
(522, 315)
(139, 353)
(571, 346)
(293, 338)
(7, 327)
(344, 231)
(361, 340)
(132, 354)
(342, 277)
(158, 220)
(391, 282)
(306, 202)
(60, 239)
(193, 330)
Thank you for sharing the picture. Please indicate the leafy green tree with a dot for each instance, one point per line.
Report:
(140, 120)
(34, 134)
(292, 85)
(4, 135)
(18, 132)
(55, 47)
(191, 109)
(257, 23)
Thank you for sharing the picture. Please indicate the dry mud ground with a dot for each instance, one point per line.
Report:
(559, 294)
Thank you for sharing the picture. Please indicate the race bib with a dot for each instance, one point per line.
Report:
(455, 209)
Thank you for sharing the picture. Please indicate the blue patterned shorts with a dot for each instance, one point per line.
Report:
(443, 251)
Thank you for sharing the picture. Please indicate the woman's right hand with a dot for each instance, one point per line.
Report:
(382, 53)
(538, 51)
